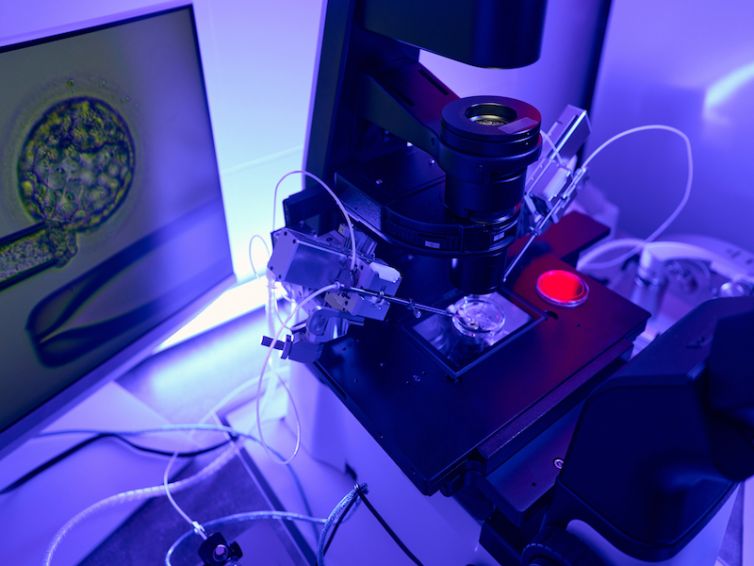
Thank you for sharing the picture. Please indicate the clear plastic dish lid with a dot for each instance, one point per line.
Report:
(480, 317)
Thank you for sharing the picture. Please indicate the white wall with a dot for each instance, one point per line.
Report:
(259, 62)
(690, 64)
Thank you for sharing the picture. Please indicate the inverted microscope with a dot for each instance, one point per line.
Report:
(454, 324)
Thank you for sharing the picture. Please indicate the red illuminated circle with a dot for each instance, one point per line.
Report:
(562, 288)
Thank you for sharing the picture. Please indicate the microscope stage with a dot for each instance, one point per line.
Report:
(437, 422)
(479, 325)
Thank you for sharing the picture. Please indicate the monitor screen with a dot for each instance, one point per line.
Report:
(111, 218)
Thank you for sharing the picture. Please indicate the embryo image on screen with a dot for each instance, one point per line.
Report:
(75, 168)
(111, 215)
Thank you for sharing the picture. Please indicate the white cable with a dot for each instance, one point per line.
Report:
(271, 300)
(254, 273)
(234, 393)
(201, 426)
(548, 139)
(285, 324)
(205, 427)
(149, 492)
(272, 304)
(266, 361)
(133, 496)
(334, 197)
(168, 489)
(242, 518)
(168, 492)
(588, 259)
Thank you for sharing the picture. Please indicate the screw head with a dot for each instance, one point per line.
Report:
(221, 551)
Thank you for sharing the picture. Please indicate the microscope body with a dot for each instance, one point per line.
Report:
(477, 393)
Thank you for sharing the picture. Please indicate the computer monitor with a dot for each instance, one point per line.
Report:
(112, 230)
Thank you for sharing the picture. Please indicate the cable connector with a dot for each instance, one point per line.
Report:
(217, 551)
(199, 529)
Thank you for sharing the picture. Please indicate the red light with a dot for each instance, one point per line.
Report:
(562, 288)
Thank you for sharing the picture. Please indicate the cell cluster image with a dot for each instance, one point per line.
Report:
(75, 169)
(77, 164)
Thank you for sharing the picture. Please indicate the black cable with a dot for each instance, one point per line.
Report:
(84, 443)
(387, 528)
(361, 492)
(47, 465)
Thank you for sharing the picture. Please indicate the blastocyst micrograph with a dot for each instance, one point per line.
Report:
(76, 164)
(75, 169)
